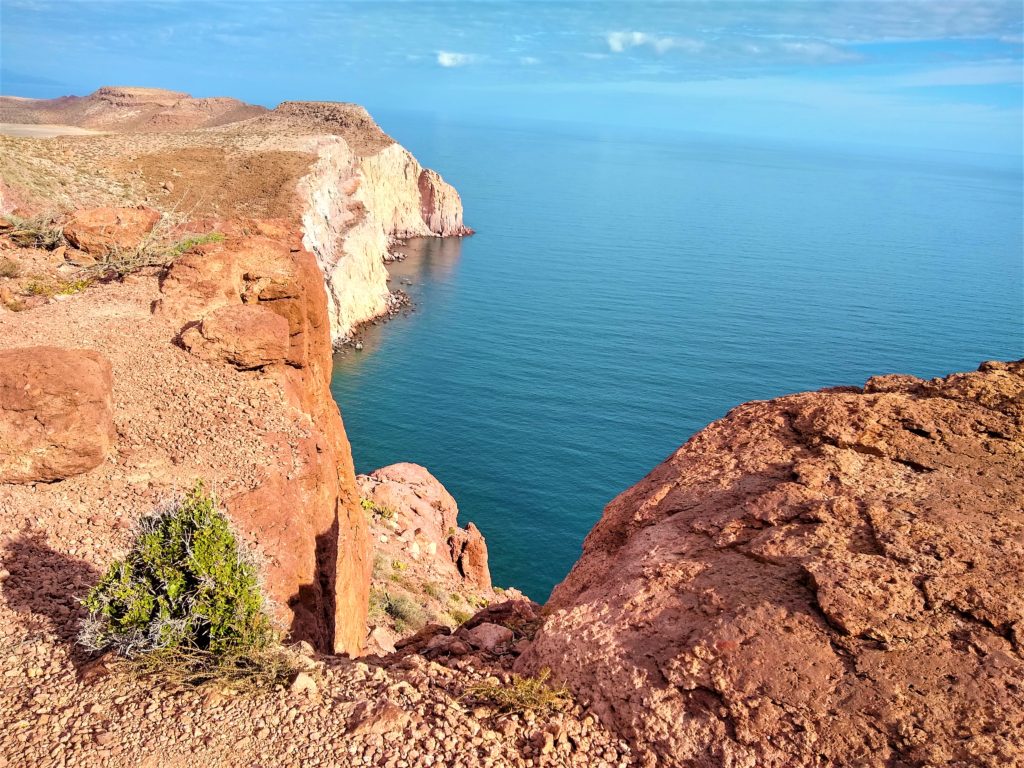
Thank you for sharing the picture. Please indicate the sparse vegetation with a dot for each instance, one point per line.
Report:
(430, 589)
(402, 609)
(9, 268)
(118, 262)
(398, 565)
(42, 286)
(186, 602)
(41, 231)
(459, 616)
(379, 511)
(521, 694)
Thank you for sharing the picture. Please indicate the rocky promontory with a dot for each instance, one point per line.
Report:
(829, 578)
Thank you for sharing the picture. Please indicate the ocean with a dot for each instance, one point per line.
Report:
(624, 290)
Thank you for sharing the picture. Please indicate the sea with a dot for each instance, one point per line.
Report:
(626, 288)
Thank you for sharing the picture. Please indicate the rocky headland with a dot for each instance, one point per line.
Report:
(828, 578)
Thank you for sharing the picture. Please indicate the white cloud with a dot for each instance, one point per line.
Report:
(452, 59)
(619, 42)
(529, 61)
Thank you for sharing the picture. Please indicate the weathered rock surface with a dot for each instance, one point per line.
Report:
(97, 231)
(354, 206)
(422, 557)
(56, 413)
(305, 512)
(829, 578)
(245, 335)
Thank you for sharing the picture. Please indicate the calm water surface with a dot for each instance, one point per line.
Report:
(623, 291)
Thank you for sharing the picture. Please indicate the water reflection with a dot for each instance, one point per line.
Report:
(429, 261)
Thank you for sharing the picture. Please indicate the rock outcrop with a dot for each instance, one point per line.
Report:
(354, 207)
(98, 231)
(423, 560)
(830, 578)
(56, 413)
(255, 301)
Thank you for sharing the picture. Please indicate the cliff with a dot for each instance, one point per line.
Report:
(249, 412)
(326, 166)
(829, 578)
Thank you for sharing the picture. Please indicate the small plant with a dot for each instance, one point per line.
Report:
(186, 601)
(73, 286)
(459, 616)
(398, 565)
(183, 246)
(378, 511)
(404, 612)
(37, 232)
(521, 694)
(119, 262)
(9, 268)
(38, 286)
(430, 589)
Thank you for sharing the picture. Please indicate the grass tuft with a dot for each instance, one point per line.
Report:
(9, 268)
(521, 694)
(41, 231)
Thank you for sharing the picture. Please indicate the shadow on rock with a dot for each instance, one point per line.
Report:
(46, 586)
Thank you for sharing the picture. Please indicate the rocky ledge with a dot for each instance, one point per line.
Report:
(830, 578)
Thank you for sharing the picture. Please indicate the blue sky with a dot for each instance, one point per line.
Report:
(933, 74)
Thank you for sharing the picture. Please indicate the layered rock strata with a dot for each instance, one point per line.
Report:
(829, 578)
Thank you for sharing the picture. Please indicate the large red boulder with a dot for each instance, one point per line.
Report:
(829, 578)
(98, 231)
(56, 413)
(245, 335)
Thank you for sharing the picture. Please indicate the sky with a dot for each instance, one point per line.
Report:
(943, 74)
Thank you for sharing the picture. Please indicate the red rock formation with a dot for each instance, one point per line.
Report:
(56, 413)
(306, 515)
(429, 515)
(97, 231)
(246, 335)
(829, 578)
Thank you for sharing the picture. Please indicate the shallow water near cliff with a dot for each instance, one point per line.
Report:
(624, 291)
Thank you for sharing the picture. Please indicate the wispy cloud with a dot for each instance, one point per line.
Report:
(1003, 72)
(453, 59)
(619, 42)
(529, 61)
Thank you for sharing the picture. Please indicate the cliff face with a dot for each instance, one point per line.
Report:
(227, 380)
(827, 578)
(354, 207)
(327, 166)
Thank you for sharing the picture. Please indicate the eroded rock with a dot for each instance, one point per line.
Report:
(826, 578)
(56, 413)
(247, 336)
(97, 231)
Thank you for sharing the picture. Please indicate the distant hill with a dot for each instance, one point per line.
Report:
(128, 109)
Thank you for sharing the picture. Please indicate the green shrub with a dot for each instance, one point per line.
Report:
(187, 587)
(378, 511)
(404, 612)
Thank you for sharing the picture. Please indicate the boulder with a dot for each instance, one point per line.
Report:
(244, 335)
(829, 578)
(56, 413)
(488, 637)
(97, 231)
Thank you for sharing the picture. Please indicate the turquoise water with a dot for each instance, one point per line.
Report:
(623, 291)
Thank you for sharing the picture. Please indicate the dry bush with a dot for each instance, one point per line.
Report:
(520, 694)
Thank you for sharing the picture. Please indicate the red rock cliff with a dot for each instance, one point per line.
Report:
(829, 578)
